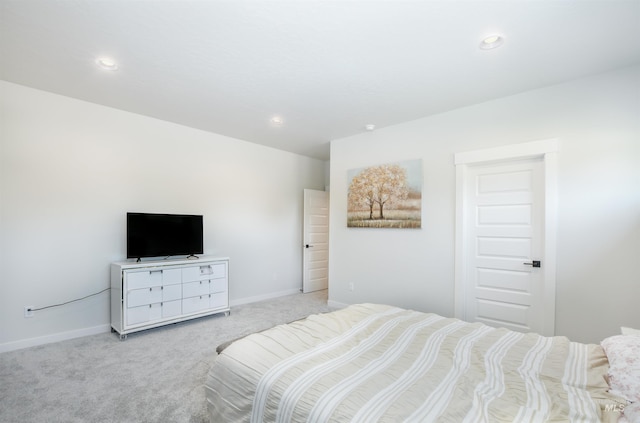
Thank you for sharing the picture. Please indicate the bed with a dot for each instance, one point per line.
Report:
(378, 363)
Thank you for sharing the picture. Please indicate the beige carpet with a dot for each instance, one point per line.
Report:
(153, 376)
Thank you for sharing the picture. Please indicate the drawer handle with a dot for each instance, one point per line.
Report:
(150, 289)
(149, 305)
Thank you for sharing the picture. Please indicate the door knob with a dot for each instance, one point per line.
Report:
(308, 246)
(534, 263)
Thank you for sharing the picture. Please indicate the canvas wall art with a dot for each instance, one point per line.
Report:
(386, 196)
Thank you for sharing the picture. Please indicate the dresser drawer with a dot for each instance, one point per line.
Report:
(171, 292)
(213, 271)
(218, 300)
(152, 312)
(143, 279)
(195, 304)
(195, 289)
(171, 308)
(138, 297)
(218, 285)
(171, 276)
(147, 278)
(190, 274)
(143, 314)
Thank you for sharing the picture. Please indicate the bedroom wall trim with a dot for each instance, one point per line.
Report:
(56, 337)
(264, 297)
(336, 304)
(96, 330)
(545, 149)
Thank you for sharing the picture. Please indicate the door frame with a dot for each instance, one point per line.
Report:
(547, 150)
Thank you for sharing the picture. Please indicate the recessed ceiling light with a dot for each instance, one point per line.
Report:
(491, 42)
(370, 127)
(107, 63)
(276, 120)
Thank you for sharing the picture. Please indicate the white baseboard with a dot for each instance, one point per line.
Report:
(257, 298)
(63, 336)
(56, 337)
(336, 304)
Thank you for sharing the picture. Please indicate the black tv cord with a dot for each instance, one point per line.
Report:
(68, 302)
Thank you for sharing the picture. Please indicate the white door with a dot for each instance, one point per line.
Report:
(505, 236)
(505, 228)
(315, 274)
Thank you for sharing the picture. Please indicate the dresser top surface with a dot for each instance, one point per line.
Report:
(133, 264)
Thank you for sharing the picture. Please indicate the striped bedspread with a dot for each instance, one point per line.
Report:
(376, 363)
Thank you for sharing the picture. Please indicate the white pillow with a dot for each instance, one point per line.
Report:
(623, 352)
(629, 331)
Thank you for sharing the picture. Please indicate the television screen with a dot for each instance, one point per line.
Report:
(155, 235)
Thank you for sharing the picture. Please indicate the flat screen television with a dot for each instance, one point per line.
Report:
(156, 235)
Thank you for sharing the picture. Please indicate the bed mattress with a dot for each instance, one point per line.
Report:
(377, 363)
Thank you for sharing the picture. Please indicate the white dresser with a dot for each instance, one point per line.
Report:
(149, 294)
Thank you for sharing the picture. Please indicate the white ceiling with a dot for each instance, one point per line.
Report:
(327, 67)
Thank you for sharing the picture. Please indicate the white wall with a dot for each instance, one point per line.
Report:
(69, 172)
(597, 121)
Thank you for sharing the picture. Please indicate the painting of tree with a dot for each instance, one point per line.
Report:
(386, 196)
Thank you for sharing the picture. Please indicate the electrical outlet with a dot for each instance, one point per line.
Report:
(28, 311)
